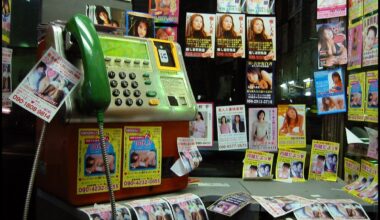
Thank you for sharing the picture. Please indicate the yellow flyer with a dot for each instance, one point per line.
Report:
(355, 10)
(91, 176)
(372, 92)
(356, 83)
(290, 165)
(371, 193)
(257, 164)
(324, 160)
(351, 170)
(368, 172)
(291, 126)
(142, 156)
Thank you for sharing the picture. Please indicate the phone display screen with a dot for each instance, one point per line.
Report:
(165, 55)
(123, 48)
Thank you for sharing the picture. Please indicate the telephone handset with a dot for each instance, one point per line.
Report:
(94, 94)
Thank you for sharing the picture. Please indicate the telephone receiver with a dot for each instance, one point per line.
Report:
(94, 94)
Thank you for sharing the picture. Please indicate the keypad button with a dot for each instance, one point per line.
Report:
(107, 59)
(136, 62)
(127, 61)
(139, 102)
(126, 92)
(148, 82)
(146, 75)
(134, 84)
(137, 93)
(111, 74)
(124, 84)
(145, 62)
(154, 102)
(116, 92)
(129, 102)
(151, 93)
(113, 83)
(122, 75)
(118, 101)
(117, 60)
(132, 75)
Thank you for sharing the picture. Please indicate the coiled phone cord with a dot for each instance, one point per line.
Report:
(108, 173)
(34, 169)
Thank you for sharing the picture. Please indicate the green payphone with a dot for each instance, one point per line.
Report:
(142, 83)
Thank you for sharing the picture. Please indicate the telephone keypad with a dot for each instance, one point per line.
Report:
(129, 102)
(111, 74)
(126, 92)
(137, 93)
(139, 102)
(116, 92)
(154, 102)
(151, 93)
(134, 84)
(122, 75)
(132, 76)
(124, 84)
(113, 83)
(120, 79)
(118, 101)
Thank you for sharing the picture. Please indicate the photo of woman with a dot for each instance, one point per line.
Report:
(102, 16)
(264, 170)
(226, 28)
(356, 100)
(293, 123)
(331, 163)
(238, 125)
(227, 35)
(259, 37)
(372, 100)
(297, 169)
(106, 16)
(260, 129)
(198, 127)
(331, 45)
(224, 127)
(328, 104)
(354, 46)
(250, 172)
(196, 35)
(6, 78)
(258, 79)
(318, 164)
(336, 84)
(140, 24)
(283, 170)
(142, 159)
(371, 38)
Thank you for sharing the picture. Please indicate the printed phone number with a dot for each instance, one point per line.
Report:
(97, 188)
(141, 182)
(31, 107)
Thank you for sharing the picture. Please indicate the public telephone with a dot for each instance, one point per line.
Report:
(147, 79)
(135, 82)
